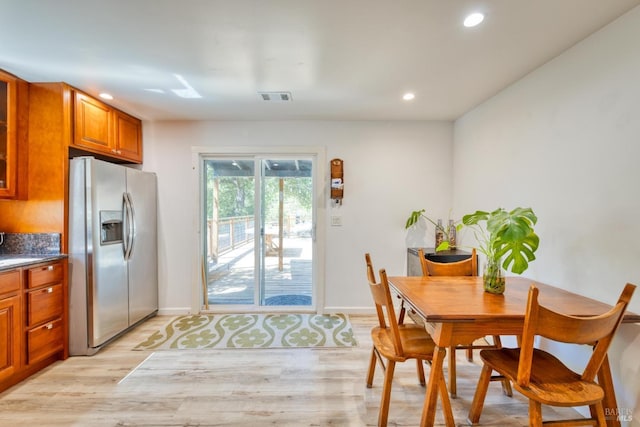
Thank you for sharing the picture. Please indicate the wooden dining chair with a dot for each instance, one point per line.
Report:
(371, 277)
(543, 378)
(402, 310)
(395, 343)
(466, 267)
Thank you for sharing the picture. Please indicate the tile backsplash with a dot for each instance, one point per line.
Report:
(31, 243)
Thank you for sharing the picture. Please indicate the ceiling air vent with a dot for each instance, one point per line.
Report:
(276, 96)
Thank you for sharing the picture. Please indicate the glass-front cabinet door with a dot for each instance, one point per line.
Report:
(7, 135)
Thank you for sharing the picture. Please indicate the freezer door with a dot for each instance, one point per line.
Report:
(143, 264)
(107, 286)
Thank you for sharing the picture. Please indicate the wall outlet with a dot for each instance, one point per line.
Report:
(336, 221)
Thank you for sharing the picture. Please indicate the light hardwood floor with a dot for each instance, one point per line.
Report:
(279, 387)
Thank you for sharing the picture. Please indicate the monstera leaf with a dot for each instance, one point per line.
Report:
(518, 253)
(507, 235)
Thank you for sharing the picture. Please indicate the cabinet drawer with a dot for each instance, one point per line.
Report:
(45, 274)
(9, 281)
(44, 304)
(45, 340)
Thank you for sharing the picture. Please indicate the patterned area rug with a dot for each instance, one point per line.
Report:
(252, 331)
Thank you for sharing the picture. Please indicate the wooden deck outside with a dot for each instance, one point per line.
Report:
(231, 281)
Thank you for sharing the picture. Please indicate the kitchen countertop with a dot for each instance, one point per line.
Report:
(11, 261)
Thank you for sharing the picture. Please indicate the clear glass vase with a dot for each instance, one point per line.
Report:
(493, 277)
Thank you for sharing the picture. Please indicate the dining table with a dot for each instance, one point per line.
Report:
(457, 311)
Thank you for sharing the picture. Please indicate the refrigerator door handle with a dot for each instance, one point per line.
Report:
(125, 240)
(130, 226)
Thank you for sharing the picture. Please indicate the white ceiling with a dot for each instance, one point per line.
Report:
(340, 59)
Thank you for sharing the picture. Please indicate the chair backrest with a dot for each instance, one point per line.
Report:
(466, 267)
(384, 304)
(596, 330)
(370, 272)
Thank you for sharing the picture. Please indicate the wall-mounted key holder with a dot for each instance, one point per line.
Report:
(337, 180)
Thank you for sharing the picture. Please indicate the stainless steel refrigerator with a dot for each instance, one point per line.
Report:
(112, 251)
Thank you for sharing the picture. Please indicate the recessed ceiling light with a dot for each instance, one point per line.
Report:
(408, 96)
(105, 95)
(473, 19)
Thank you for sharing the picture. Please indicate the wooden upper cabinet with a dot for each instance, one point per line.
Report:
(12, 134)
(128, 137)
(102, 129)
(92, 123)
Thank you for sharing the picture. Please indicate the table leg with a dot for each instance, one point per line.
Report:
(609, 402)
(436, 383)
(453, 387)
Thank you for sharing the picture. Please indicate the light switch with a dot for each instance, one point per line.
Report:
(336, 221)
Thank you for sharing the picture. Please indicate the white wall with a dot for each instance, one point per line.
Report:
(565, 140)
(391, 168)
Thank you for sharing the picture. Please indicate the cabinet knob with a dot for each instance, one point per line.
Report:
(49, 326)
(49, 290)
(50, 268)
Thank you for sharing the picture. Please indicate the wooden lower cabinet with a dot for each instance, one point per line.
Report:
(10, 332)
(10, 323)
(45, 302)
(33, 320)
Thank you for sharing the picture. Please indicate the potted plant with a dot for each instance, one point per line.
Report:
(506, 236)
(445, 236)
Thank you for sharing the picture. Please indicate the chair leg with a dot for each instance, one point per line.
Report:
(386, 394)
(506, 388)
(372, 368)
(479, 396)
(597, 412)
(535, 413)
(453, 389)
(420, 369)
(403, 311)
(470, 353)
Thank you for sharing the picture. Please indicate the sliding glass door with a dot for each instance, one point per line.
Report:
(259, 239)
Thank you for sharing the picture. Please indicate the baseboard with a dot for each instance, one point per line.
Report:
(174, 311)
(350, 310)
(181, 311)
